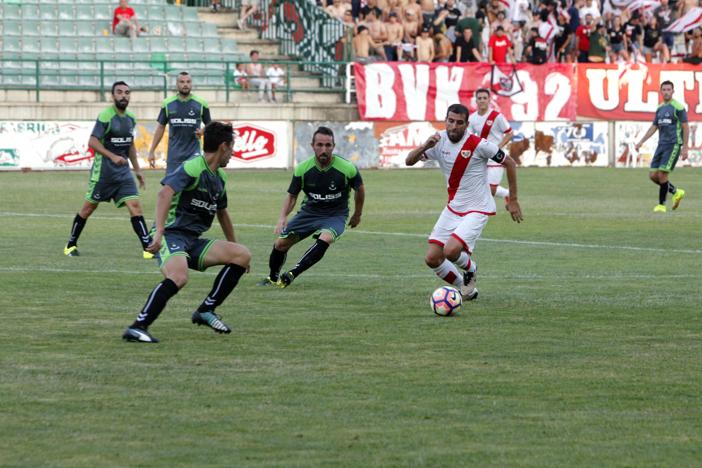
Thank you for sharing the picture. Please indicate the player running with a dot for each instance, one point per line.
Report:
(463, 158)
(183, 113)
(187, 204)
(671, 122)
(326, 179)
(112, 139)
(493, 127)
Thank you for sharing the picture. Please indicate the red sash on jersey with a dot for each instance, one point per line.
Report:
(461, 163)
(488, 124)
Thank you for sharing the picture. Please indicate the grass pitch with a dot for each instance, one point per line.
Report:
(584, 348)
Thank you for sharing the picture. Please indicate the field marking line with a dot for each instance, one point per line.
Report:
(413, 235)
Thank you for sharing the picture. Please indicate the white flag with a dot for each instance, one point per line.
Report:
(645, 4)
(691, 20)
(503, 84)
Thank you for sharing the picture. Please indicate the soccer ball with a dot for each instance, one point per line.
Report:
(446, 301)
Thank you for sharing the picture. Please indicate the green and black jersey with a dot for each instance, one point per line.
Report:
(183, 117)
(199, 194)
(116, 132)
(669, 118)
(326, 190)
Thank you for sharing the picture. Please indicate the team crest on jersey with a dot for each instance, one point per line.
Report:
(465, 153)
(489, 122)
(192, 112)
(332, 186)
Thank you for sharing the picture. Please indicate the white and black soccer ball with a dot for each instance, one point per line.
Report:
(446, 301)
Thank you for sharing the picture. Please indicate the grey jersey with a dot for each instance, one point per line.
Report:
(669, 119)
(183, 118)
(116, 132)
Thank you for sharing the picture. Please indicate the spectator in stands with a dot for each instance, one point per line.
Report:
(499, 47)
(372, 5)
(425, 46)
(464, 49)
(582, 38)
(124, 21)
(475, 24)
(665, 15)
(618, 41)
(257, 78)
(446, 17)
(536, 51)
(364, 45)
(520, 13)
(591, 9)
(411, 26)
(599, 47)
(443, 47)
(248, 9)
(427, 9)
(574, 15)
(393, 47)
(216, 6)
(376, 28)
(493, 8)
(634, 34)
(695, 55)
(338, 9)
(241, 79)
(563, 40)
(275, 74)
(653, 41)
(348, 19)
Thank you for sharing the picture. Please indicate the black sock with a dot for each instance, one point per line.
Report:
(671, 188)
(275, 262)
(76, 229)
(312, 256)
(155, 303)
(139, 226)
(224, 284)
(662, 192)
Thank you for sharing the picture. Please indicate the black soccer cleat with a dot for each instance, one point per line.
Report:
(468, 290)
(285, 279)
(211, 320)
(138, 335)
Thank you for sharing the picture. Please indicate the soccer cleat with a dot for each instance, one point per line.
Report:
(285, 279)
(267, 281)
(71, 251)
(677, 198)
(138, 335)
(148, 255)
(659, 209)
(468, 290)
(212, 320)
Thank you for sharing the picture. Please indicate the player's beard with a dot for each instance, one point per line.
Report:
(184, 93)
(121, 105)
(455, 136)
(324, 158)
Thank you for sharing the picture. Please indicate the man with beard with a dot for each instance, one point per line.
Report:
(463, 158)
(187, 204)
(184, 113)
(326, 179)
(112, 140)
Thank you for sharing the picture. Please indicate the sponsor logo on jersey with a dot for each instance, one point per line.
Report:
(120, 140)
(330, 196)
(179, 121)
(203, 204)
(665, 121)
(252, 143)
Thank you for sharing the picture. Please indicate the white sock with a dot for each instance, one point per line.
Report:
(448, 272)
(463, 260)
(472, 266)
(501, 192)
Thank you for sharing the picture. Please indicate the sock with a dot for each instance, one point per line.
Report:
(76, 229)
(463, 261)
(139, 226)
(672, 188)
(224, 284)
(448, 272)
(155, 303)
(501, 192)
(275, 262)
(472, 266)
(312, 256)
(662, 192)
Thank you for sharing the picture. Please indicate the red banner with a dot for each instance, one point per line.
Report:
(613, 92)
(423, 91)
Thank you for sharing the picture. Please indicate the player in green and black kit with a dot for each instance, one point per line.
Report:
(183, 113)
(671, 122)
(186, 206)
(112, 140)
(326, 180)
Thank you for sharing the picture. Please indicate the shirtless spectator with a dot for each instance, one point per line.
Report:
(427, 7)
(393, 48)
(411, 26)
(412, 8)
(376, 28)
(338, 9)
(695, 56)
(248, 9)
(443, 46)
(124, 21)
(502, 21)
(425, 46)
(493, 8)
(363, 45)
(257, 77)
(371, 6)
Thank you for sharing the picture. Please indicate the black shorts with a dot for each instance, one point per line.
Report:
(306, 224)
(176, 243)
(119, 192)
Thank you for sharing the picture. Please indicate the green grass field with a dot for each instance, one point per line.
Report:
(584, 347)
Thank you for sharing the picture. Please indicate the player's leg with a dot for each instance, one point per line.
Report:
(665, 170)
(462, 241)
(434, 256)
(655, 175)
(128, 195)
(174, 266)
(236, 259)
(71, 248)
(277, 257)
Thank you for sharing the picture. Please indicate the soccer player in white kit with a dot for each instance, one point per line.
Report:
(463, 157)
(494, 127)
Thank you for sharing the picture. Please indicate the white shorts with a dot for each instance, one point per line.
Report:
(466, 229)
(494, 174)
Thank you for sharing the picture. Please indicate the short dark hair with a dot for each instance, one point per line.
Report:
(253, 52)
(217, 133)
(457, 109)
(323, 131)
(668, 82)
(482, 90)
(118, 83)
(183, 73)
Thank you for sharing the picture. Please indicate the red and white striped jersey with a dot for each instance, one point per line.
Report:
(492, 126)
(464, 165)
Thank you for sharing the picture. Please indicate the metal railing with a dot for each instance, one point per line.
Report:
(156, 74)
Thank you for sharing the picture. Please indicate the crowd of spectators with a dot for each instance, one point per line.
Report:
(509, 31)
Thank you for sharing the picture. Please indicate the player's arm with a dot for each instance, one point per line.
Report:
(135, 165)
(96, 145)
(359, 197)
(513, 204)
(163, 205)
(417, 154)
(288, 205)
(651, 130)
(158, 135)
(226, 222)
(505, 139)
(685, 138)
